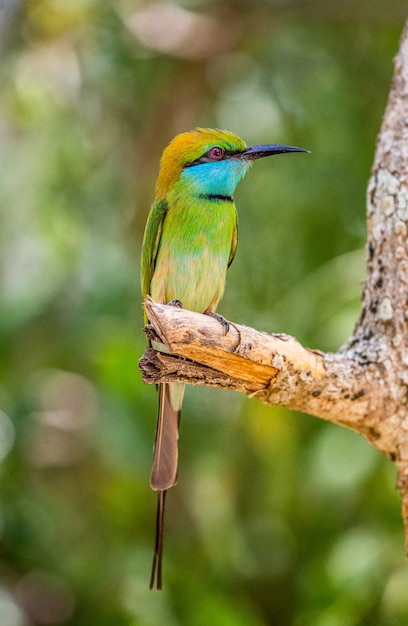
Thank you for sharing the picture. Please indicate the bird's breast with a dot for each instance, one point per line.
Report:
(193, 254)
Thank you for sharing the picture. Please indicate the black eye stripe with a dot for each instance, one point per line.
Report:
(206, 158)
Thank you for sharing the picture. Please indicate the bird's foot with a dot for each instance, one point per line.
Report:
(176, 303)
(226, 324)
(220, 318)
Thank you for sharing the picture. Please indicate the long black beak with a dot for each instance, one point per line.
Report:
(258, 152)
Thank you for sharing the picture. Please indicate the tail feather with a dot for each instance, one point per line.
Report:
(158, 544)
(165, 464)
(165, 456)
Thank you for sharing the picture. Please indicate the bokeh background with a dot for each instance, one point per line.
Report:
(278, 518)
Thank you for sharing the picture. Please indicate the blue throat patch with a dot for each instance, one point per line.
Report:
(215, 179)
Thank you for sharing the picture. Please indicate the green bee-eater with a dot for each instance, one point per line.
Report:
(189, 242)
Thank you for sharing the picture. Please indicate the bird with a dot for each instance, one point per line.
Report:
(189, 242)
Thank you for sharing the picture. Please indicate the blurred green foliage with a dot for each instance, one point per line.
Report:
(278, 518)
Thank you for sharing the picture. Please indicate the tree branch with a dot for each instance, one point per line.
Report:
(363, 385)
(276, 369)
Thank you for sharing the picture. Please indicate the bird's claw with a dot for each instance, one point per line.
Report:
(176, 303)
(221, 319)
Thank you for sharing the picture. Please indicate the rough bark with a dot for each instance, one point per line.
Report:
(363, 385)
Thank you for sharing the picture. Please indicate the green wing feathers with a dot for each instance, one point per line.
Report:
(234, 241)
(151, 242)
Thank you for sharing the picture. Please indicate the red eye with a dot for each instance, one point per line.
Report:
(217, 153)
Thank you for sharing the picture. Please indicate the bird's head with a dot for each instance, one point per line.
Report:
(209, 161)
